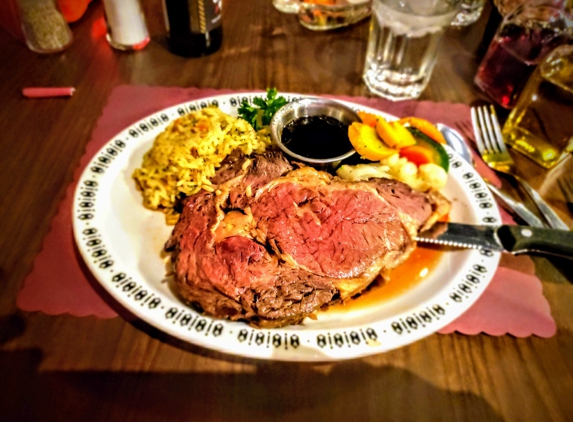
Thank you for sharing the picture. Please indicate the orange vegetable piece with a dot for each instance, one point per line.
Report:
(202, 125)
(424, 126)
(73, 10)
(394, 134)
(444, 218)
(367, 143)
(417, 155)
(368, 118)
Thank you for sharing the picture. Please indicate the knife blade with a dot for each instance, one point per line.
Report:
(515, 207)
(504, 238)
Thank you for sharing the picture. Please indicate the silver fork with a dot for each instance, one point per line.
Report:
(495, 154)
(455, 140)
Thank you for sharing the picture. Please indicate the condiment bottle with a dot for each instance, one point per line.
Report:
(45, 29)
(126, 27)
(525, 36)
(541, 123)
(194, 27)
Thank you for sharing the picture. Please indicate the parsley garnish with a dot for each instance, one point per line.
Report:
(263, 110)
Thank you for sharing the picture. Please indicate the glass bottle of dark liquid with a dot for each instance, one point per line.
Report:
(525, 37)
(194, 27)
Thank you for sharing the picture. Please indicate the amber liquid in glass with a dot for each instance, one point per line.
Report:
(541, 124)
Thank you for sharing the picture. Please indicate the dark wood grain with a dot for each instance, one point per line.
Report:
(67, 368)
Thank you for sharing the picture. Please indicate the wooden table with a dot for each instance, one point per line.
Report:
(68, 368)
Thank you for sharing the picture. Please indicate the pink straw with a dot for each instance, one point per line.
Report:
(48, 92)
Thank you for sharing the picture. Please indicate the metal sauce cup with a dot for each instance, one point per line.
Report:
(312, 107)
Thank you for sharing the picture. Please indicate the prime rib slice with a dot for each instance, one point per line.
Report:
(274, 244)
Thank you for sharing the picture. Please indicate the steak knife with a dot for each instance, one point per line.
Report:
(515, 207)
(505, 238)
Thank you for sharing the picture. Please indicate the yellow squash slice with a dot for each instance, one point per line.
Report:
(366, 142)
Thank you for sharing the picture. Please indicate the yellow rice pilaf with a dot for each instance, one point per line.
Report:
(186, 155)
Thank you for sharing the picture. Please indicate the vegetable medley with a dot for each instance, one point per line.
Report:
(409, 149)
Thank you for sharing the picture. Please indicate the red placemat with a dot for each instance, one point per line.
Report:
(60, 283)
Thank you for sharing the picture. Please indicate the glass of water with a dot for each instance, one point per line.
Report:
(403, 44)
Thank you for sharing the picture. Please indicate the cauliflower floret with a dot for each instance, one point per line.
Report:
(407, 171)
(433, 175)
(363, 172)
(424, 178)
(393, 161)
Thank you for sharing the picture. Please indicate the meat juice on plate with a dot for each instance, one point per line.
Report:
(541, 124)
(406, 276)
(402, 50)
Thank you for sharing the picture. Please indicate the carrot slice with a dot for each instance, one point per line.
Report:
(368, 118)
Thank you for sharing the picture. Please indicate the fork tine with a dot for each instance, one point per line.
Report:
(490, 140)
(497, 131)
(478, 131)
(496, 156)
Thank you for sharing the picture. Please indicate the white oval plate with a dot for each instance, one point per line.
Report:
(121, 243)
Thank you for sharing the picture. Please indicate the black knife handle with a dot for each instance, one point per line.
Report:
(524, 239)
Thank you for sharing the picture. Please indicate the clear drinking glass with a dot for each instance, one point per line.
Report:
(320, 15)
(286, 6)
(405, 36)
(541, 123)
(470, 11)
(506, 6)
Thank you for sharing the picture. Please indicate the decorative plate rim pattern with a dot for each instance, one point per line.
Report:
(99, 237)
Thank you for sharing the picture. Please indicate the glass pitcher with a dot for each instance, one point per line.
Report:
(526, 35)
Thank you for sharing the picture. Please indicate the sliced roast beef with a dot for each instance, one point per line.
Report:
(248, 174)
(273, 245)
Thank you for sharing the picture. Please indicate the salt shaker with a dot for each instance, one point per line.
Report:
(126, 26)
(45, 29)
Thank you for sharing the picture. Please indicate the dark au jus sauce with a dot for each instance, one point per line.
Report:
(316, 137)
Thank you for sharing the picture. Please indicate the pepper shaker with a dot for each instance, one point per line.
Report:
(45, 29)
